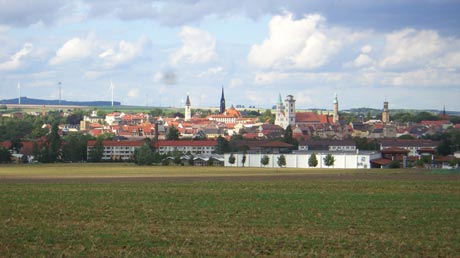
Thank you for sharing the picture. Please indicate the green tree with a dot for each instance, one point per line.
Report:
(96, 152)
(74, 147)
(16, 145)
(394, 164)
(156, 112)
(223, 145)
(191, 160)
(267, 116)
(281, 161)
(53, 141)
(264, 160)
(5, 155)
(313, 161)
(173, 133)
(231, 159)
(143, 155)
(329, 160)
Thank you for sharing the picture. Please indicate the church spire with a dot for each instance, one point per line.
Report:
(188, 111)
(187, 102)
(222, 101)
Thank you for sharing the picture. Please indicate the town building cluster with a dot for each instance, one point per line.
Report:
(321, 133)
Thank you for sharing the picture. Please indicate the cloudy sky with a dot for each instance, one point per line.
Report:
(155, 52)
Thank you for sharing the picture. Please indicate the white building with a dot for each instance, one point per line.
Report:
(116, 150)
(285, 114)
(194, 147)
(352, 160)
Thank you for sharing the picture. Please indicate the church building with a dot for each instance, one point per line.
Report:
(222, 102)
(286, 114)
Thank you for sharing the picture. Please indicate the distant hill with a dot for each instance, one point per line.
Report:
(30, 101)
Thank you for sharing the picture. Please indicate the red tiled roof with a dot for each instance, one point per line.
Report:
(185, 143)
(381, 161)
(276, 145)
(394, 150)
(305, 117)
(117, 143)
(435, 122)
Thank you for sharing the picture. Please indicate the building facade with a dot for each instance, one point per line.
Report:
(193, 147)
(351, 160)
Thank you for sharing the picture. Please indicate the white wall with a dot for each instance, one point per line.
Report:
(300, 160)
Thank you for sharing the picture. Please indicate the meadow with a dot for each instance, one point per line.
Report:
(408, 213)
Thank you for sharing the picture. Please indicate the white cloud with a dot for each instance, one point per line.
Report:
(75, 49)
(366, 49)
(211, 72)
(198, 47)
(123, 53)
(363, 60)
(409, 47)
(15, 61)
(295, 44)
(269, 77)
(133, 93)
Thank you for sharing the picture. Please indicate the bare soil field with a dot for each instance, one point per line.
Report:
(222, 178)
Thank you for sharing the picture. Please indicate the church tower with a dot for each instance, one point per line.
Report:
(289, 111)
(385, 113)
(279, 115)
(222, 102)
(188, 111)
(335, 117)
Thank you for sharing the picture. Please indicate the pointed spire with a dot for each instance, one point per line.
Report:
(222, 101)
(280, 100)
(187, 102)
(336, 100)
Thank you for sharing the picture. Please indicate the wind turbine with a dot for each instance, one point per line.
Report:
(111, 87)
(19, 93)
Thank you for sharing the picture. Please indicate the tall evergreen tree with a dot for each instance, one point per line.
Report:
(173, 133)
(144, 155)
(313, 161)
(329, 160)
(231, 159)
(264, 160)
(281, 161)
(97, 152)
(54, 143)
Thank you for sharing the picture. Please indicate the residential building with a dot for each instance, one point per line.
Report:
(328, 145)
(116, 150)
(193, 147)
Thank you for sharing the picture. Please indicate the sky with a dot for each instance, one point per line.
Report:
(156, 52)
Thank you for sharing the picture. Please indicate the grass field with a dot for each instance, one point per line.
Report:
(281, 217)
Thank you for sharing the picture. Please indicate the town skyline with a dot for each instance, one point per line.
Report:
(407, 53)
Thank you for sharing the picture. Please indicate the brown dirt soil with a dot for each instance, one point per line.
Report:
(226, 178)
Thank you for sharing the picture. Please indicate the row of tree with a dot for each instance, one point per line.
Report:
(329, 160)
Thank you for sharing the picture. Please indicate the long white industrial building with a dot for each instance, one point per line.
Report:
(357, 160)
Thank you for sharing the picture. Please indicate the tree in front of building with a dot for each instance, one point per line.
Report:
(264, 160)
(281, 161)
(313, 161)
(329, 160)
(231, 159)
(96, 153)
(143, 156)
(5, 155)
(74, 147)
(54, 142)
(173, 133)
(223, 145)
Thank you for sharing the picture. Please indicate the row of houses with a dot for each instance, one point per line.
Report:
(345, 152)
